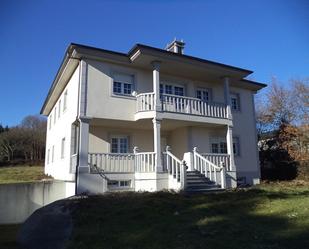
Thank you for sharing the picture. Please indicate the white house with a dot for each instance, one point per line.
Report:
(148, 120)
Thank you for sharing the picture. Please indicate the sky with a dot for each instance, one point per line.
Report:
(269, 37)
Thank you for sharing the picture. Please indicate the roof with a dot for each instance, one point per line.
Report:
(77, 51)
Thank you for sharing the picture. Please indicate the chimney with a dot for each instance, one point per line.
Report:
(176, 46)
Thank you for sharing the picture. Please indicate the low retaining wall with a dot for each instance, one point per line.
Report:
(19, 200)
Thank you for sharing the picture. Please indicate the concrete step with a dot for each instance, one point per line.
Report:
(208, 190)
(200, 183)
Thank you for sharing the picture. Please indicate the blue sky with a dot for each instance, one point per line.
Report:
(268, 37)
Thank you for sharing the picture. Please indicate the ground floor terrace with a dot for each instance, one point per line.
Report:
(153, 154)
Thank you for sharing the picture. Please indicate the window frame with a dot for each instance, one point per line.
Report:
(118, 139)
(65, 100)
(221, 145)
(166, 84)
(208, 90)
(236, 96)
(122, 85)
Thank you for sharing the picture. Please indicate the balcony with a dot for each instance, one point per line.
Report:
(181, 105)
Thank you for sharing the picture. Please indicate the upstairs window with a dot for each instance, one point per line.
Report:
(55, 114)
(203, 94)
(50, 121)
(119, 144)
(123, 84)
(172, 89)
(65, 99)
(235, 102)
(59, 108)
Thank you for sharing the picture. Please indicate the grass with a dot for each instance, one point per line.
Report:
(272, 216)
(19, 174)
(8, 236)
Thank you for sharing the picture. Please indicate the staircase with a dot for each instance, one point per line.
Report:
(196, 182)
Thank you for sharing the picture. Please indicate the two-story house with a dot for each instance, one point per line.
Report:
(150, 119)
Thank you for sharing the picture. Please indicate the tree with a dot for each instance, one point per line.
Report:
(282, 115)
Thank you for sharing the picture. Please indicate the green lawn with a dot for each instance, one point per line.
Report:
(273, 216)
(17, 174)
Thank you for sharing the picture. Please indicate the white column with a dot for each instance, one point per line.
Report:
(229, 144)
(227, 98)
(83, 166)
(156, 84)
(157, 143)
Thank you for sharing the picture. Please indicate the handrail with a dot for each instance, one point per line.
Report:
(144, 161)
(193, 98)
(209, 162)
(208, 168)
(176, 168)
(143, 94)
(216, 158)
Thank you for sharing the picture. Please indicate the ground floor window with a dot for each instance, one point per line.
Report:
(218, 145)
(119, 184)
(119, 144)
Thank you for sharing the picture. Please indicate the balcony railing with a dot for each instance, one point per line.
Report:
(181, 104)
(145, 102)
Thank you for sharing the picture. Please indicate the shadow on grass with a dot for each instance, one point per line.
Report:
(239, 219)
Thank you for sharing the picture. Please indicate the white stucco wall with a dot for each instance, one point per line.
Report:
(60, 167)
(100, 138)
(244, 127)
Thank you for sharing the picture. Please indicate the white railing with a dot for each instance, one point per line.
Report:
(145, 161)
(208, 168)
(195, 106)
(122, 162)
(175, 167)
(112, 162)
(217, 158)
(145, 102)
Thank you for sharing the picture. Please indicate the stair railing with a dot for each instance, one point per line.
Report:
(175, 167)
(209, 169)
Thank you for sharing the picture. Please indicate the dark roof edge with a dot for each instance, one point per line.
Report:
(59, 71)
(262, 85)
(98, 49)
(136, 46)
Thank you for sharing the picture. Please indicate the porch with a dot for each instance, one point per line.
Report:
(152, 155)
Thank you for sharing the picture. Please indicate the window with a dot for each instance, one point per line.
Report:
(53, 151)
(62, 147)
(119, 184)
(74, 139)
(59, 108)
(172, 89)
(179, 91)
(65, 99)
(214, 148)
(235, 102)
(123, 84)
(55, 114)
(117, 87)
(48, 154)
(218, 145)
(236, 146)
(203, 94)
(119, 144)
(50, 120)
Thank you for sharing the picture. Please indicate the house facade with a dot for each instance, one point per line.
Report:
(148, 120)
